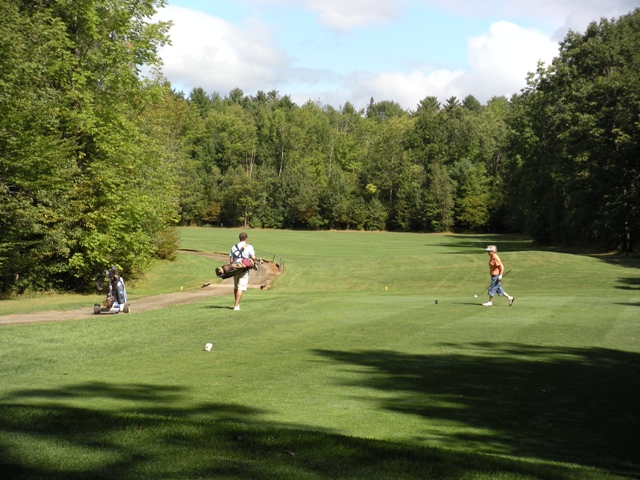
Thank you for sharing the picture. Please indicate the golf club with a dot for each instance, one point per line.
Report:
(504, 275)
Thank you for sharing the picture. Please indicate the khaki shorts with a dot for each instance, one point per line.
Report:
(241, 281)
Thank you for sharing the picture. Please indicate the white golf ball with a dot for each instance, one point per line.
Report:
(475, 296)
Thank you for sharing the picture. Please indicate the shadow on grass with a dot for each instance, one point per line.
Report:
(42, 435)
(473, 244)
(560, 404)
(630, 283)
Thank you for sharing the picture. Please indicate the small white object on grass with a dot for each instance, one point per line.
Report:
(475, 296)
(208, 347)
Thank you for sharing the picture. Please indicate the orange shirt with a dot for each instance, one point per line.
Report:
(495, 264)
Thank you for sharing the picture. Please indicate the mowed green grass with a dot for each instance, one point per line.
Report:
(345, 368)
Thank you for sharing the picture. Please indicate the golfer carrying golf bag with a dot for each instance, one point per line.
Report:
(241, 250)
(496, 269)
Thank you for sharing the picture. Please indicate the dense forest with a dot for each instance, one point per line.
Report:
(98, 164)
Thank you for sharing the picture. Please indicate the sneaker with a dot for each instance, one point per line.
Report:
(237, 307)
(511, 300)
(487, 304)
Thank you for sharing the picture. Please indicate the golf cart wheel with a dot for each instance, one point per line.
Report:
(96, 309)
(127, 308)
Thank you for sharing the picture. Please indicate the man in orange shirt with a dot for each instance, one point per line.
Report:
(496, 269)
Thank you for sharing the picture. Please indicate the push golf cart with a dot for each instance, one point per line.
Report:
(116, 294)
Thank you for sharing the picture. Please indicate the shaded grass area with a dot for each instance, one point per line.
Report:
(556, 403)
(73, 443)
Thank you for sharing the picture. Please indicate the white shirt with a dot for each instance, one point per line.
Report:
(248, 251)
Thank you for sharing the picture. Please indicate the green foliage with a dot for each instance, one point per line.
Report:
(532, 163)
(579, 140)
(317, 167)
(96, 163)
(384, 110)
(36, 183)
(472, 210)
(167, 244)
(87, 178)
(439, 203)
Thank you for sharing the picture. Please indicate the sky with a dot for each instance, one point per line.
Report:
(337, 51)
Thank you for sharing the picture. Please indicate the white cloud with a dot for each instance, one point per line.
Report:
(566, 14)
(342, 14)
(500, 59)
(349, 14)
(499, 62)
(561, 15)
(218, 56)
(405, 89)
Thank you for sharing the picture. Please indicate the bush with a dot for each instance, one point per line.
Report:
(167, 244)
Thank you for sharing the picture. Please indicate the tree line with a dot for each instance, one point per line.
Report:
(98, 165)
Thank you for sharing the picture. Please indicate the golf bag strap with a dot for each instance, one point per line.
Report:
(237, 256)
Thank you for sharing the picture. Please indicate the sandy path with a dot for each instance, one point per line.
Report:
(259, 279)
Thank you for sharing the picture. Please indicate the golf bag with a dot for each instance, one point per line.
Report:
(232, 269)
(116, 294)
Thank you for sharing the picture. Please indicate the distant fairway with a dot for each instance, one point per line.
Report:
(346, 368)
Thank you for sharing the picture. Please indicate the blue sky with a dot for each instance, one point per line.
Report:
(338, 51)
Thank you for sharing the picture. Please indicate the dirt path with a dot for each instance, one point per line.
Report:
(259, 279)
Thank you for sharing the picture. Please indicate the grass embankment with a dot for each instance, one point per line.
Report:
(347, 368)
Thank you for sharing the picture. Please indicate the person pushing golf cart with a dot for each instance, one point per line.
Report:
(496, 270)
(116, 295)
